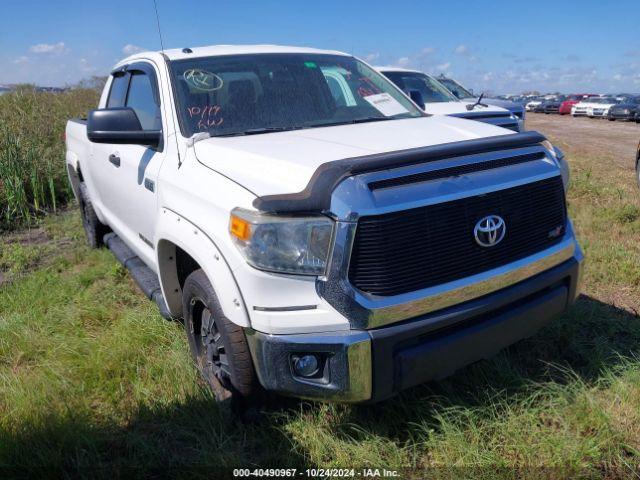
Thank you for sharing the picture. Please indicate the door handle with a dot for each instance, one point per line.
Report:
(114, 159)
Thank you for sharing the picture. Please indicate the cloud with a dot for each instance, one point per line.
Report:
(52, 48)
(371, 57)
(464, 51)
(22, 60)
(402, 62)
(130, 49)
(443, 67)
(461, 50)
(427, 51)
(85, 67)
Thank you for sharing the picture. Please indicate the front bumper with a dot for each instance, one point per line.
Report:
(371, 365)
(622, 116)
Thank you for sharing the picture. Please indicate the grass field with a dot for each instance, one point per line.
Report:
(94, 383)
(32, 177)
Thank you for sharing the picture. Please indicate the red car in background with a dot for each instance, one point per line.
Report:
(565, 107)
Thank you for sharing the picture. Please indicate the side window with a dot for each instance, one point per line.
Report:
(118, 91)
(142, 100)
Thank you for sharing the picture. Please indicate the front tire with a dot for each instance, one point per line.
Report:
(218, 346)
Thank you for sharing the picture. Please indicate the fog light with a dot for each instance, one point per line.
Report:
(305, 365)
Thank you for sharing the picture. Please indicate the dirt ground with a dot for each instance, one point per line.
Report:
(613, 139)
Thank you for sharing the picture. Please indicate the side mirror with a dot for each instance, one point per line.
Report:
(120, 125)
(417, 98)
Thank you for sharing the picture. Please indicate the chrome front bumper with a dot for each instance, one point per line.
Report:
(371, 365)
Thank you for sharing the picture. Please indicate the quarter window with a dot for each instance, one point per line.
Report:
(118, 91)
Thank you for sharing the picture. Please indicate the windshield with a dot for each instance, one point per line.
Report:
(431, 90)
(455, 88)
(248, 94)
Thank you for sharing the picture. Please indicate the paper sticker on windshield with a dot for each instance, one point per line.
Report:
(203, 80)
(386, 104)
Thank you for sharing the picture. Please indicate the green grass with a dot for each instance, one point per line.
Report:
(32, 168)
(94, 383)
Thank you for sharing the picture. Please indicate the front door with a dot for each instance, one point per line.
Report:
(127, 184)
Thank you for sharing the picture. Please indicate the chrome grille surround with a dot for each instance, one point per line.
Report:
(354, 198)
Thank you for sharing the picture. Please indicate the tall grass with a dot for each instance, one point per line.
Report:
(32, 170)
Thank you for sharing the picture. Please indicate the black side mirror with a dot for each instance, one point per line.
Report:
(120, 125)
(417, 98)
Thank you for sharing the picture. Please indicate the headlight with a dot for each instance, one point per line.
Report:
(285, 244)
(560, 159)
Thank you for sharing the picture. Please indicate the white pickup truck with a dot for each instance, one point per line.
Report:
(319, 235)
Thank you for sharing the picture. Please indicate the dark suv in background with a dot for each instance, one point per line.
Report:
(627, 110)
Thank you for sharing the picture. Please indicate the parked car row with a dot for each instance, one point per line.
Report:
(613, 107)
(432, 96)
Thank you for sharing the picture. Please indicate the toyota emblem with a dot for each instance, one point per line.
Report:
(489, 231)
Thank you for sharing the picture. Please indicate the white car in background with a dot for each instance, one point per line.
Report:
(434, 98)
(532, 104)
(582, 108)
(599, 107)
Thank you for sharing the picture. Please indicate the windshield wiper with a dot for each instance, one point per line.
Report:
(478, 102)
(257, 131)
(349, 122)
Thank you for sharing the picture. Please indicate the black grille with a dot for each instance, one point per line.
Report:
(404, 251)
(457, 170)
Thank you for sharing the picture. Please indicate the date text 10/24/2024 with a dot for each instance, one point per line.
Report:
(316, 473)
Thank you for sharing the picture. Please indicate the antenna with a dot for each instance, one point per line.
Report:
(166, 62)
(155, 6)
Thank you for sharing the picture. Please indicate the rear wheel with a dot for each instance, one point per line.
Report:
(94, 229)
(218, 346)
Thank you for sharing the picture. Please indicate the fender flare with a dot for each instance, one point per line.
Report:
(175, 230)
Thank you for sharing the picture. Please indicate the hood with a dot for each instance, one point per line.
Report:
(283, 162)
(457, 108)
(630, 106)
(507, 104)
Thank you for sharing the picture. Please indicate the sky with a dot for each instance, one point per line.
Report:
(497, 46)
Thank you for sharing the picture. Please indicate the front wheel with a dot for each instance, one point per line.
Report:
(218, 346)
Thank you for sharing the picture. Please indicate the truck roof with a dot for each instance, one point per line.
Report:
(398, 69)
(215, 50)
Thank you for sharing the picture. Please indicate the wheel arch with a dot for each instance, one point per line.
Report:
(182, 248)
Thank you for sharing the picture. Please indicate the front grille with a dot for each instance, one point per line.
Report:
(413, 249)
